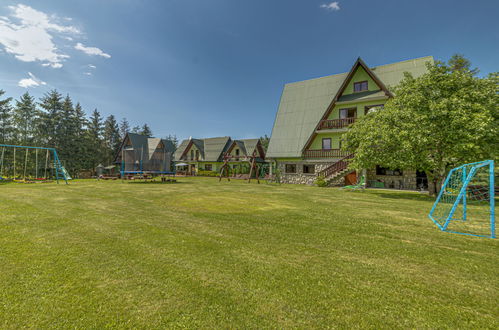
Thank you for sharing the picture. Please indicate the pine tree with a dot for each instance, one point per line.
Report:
(94, 140)
(5, 119)
(136, 130)
(146, 130)
(124, 128)
(50, 117)
(112, 138)
(24, 119)
(173, 139)
(67, 132)
(81, 150)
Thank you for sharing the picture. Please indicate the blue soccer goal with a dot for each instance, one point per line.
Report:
(465, 204)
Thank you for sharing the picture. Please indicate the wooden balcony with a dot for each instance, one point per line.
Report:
(336, 123)
(324, 153)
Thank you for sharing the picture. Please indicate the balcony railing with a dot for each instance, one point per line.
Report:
(324, 153)
(336, 123)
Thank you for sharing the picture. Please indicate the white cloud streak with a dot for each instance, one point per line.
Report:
(91, 50)
(28, 35)
(332, 6)
(32, 81)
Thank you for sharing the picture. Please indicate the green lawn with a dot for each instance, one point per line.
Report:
(205, 254)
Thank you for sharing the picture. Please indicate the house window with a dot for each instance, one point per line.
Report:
(360, 86)
(369, 107)
(290, 168)
(192, 154)
(386, 171)
(309, 169)
(197, 154)
(326, 144)
(208, 167)
(348, 113)
(237, 152)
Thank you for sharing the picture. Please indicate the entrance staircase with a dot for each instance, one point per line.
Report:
(336, 170)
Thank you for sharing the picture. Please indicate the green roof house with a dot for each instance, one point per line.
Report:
(194, 155)
(314, 114)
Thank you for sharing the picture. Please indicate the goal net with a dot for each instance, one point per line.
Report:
(465, 204)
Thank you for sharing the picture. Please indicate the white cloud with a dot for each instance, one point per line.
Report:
(32, 81)
(333, 6)
(87, 73)
(91, 66)
(91, 50)
(28, 35)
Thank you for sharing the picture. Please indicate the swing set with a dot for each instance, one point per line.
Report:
(16, 164)
(225, 170)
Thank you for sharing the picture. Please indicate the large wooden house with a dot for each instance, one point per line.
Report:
(314, 114)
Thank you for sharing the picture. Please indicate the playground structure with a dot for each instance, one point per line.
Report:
(254, 167)
(144, 158)
(465, 204)
(29, 164)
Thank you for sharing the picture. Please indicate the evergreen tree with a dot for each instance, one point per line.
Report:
(459, 63)
(174, 140)
(146, 130)
(265, 140)
(67, 133)
(5, 119)
(94, 140)
(24, 119)
(49, 129)
(81, 150)
(124, 128)
(136, 130)
(112, 138)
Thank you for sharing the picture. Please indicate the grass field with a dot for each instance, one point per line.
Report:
(205, 254)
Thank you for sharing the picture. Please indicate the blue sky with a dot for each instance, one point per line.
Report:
(206, 68)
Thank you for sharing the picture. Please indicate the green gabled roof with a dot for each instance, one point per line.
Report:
(211, 149)
(181, 148)
(249, 145)
(304, 103)
(215, 147)
(361, 96)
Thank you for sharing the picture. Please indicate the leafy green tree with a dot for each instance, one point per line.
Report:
(124, 128)
(24, 119)
(435, 122)
(5, 119)
(146, 130)
(112, 138)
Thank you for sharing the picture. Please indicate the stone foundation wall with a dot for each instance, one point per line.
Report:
(299, 177)
(406, 181)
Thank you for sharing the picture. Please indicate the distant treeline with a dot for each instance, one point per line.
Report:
(55, 121)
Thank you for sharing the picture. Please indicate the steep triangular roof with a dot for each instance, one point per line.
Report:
(211, 149)
(143, 146)
(304, 103)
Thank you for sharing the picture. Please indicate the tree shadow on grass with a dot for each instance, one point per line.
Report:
(158, 182)
(416, 196)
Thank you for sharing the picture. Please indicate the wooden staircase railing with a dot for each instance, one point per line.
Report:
(336, 167)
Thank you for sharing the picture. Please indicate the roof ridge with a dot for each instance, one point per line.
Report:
(373, 67)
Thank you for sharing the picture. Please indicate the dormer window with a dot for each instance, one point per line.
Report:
(237, 152)
(360, 86)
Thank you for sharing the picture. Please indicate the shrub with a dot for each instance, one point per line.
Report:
(207, 173)
(320, 181)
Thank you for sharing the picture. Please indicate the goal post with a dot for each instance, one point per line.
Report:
(466, 202)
